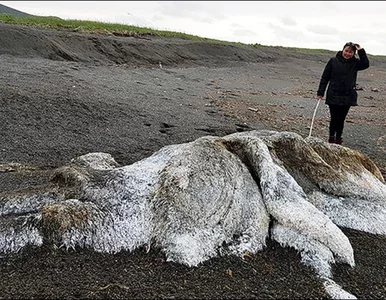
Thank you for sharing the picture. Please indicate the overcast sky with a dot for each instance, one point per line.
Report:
(305, 24)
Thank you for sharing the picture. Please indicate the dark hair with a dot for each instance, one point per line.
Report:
(352, 45)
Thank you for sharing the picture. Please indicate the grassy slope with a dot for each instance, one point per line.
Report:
(57, 23)
(119, 29)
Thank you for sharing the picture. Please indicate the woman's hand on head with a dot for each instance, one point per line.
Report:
(358, 46)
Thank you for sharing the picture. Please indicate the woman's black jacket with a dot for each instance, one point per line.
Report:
(341, 74)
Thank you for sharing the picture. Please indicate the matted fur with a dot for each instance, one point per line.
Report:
(213, 196)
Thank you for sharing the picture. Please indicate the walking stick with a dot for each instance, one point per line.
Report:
(313, 117)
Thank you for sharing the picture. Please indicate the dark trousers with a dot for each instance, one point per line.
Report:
(338, 114)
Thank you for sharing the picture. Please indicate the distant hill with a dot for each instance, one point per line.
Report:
(14, 12)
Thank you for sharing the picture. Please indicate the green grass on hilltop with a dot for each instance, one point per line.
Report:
(122, 30)
(94, 27)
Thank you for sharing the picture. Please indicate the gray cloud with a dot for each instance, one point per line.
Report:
(189, 9)
(322, 29)
(207, 20)
(233, 25)
(283, 34)
(158, 18)
(244, 32)
(288, 21)
(132, 20)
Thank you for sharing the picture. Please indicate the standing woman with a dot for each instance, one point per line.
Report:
(341, 74)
